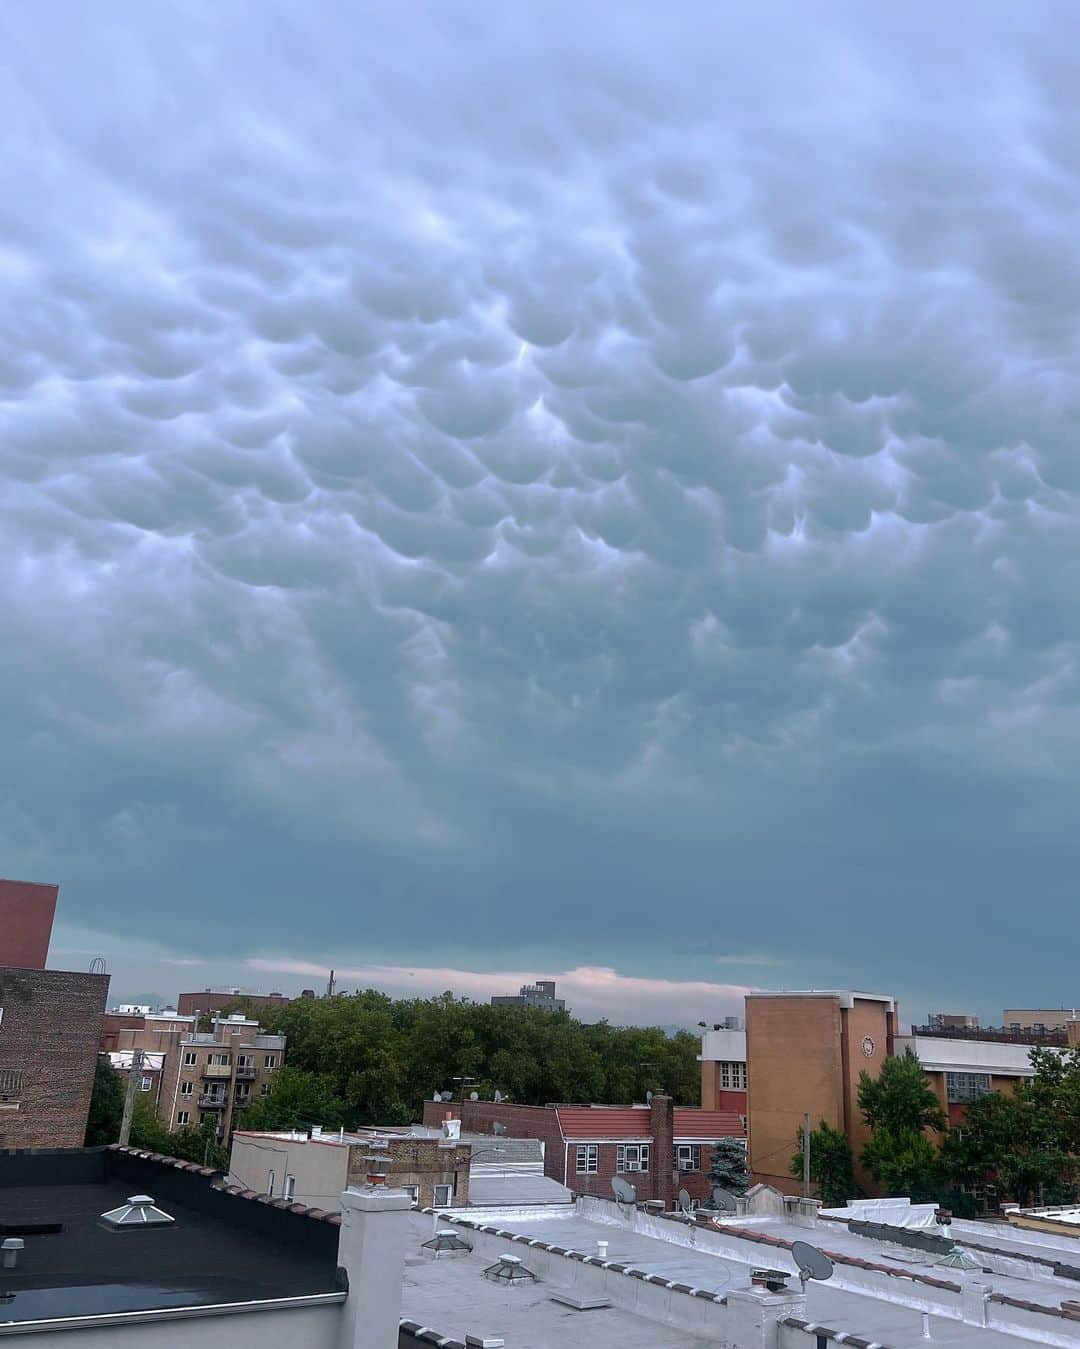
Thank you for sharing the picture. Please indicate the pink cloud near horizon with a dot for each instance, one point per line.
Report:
(591, 991)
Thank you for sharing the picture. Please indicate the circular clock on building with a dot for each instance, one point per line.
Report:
(868, 1047)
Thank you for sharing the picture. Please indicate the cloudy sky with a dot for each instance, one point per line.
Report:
(493, 490)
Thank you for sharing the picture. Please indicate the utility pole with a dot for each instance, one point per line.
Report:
(137, 1061)
(806, 1156)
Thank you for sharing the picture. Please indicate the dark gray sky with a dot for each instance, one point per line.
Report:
(493, 489)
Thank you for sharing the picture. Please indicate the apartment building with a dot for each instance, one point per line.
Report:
(540, 995)
(204, 1074)
(723, 1066)
(214, 1001)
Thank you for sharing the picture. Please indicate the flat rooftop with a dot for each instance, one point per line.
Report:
(198, 1260)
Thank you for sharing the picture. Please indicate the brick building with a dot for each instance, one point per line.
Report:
(314, 1168)
(723, 1067)
(49, 1027)
(658, 1148)
(212, 1074)
(217, 1000)
(27, 909)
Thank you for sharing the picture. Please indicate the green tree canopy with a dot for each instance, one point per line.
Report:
(106, 1105)
(899, 1100)
(298, 1100)
(831, 1165)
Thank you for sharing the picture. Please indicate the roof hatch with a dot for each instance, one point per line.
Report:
(139, 1212)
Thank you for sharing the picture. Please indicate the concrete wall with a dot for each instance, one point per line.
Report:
(320, 1169)
(313, 1327)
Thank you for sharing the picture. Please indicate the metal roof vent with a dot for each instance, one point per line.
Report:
(446, 1244)
(958, 1258)
(509, 1269)
(137, 1214)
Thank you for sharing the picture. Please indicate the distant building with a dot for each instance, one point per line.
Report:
(658, 1148)
(951, 1021)
(49, 1027)
(201, 1075)
(215, 1000)
(723, 1066)
(541, 994)
(1040, 1021)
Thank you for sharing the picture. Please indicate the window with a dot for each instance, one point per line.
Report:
(961, 1087)
(588, 1159)
(270, 1179)
(413, 1191)
(182, 1117)
(632, 1157)
(733, 1077)
(290, 1186)
(190, 1058)
(264, 1090)
(145, 1083)
(185, 1088)
(443, 1196)
(688, 1156)
(222, 1060)
(270, 1062)
(244, 1061)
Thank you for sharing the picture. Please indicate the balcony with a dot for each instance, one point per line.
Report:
(245, 1072)
(217, 1070)
(212, 1101)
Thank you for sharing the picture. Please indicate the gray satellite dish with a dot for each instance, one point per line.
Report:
(624, 1192)
(685, 1202)
(498, 1097)
(499, 1130)
(447, 1096)
(474, 1095)
(648, 1098)
(722, 1199)
(813, 1264)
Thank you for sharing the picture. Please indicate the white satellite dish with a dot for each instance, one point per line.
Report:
(498, 1097)
(474, 1095)
(624, 1192)
(723, 1199)
(498, 1129)
(685, 1202)
(812, 1263)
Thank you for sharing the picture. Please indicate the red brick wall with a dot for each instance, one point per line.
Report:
(49, 1035)
(188, 1004)
(26, 920)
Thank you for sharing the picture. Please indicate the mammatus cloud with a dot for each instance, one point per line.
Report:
(478, 476)
(590, 992)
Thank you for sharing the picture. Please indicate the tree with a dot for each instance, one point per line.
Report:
(1009, 1140)
(900, 1099)
(903, 1163)
(831, 1165)
(728, 1167)
(106, 1105)
(297, 1100)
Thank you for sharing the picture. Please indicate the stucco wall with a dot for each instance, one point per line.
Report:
(320, 1169)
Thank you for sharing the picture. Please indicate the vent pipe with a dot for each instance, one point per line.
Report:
(11, 1251)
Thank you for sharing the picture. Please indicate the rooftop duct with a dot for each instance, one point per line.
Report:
(509, 1269)
(138, 1213)
(958, 1258)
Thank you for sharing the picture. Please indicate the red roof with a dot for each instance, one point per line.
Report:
(708, 1124)
(634, 1121)
(604, 1121)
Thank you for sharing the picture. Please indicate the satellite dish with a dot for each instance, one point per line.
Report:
(498, 1097)
(813, 1264)
(474, 1095)
(448, 1095)
(499, 1130)
(723, 1199)
(624, 1192)
(685, 1202)
(648, 1098)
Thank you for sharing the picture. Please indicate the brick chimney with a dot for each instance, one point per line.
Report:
(662, 1128)
(1072, 1030)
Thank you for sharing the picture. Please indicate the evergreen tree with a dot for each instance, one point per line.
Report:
(106, 1105)
(728, 1168)
(900, 1107)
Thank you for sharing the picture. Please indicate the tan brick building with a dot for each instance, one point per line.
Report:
(212, 1074)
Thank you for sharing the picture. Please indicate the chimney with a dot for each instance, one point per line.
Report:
(451, 1128)
(662, 1128)
(754, 1315)
(371, 1250)
(1072, 1030)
